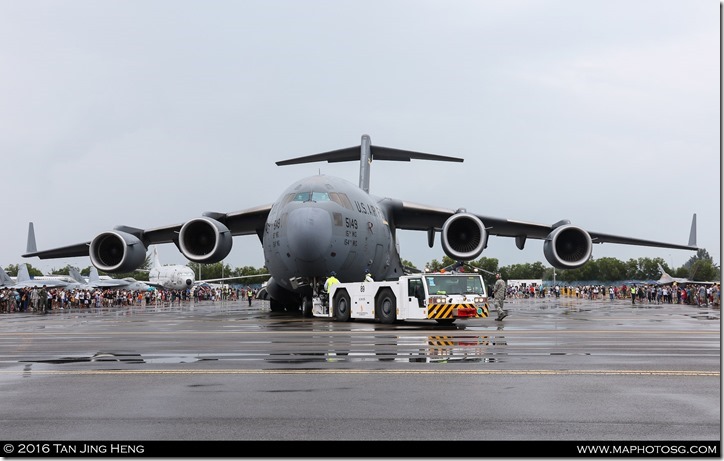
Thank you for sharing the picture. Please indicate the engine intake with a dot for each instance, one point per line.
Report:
(205, 240)
(117, 252)
(463, 237)
(568, 247)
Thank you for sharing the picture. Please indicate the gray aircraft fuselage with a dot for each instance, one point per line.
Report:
(322, 224)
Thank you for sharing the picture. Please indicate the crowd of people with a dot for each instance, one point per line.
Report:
(693, 294)
(42, 299)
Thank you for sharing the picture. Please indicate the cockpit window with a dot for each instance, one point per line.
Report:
(320, 197)
(288, 198)
(341, 198)
(311, 197)
(336, 197)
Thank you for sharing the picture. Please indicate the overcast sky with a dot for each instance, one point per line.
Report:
(147, 113)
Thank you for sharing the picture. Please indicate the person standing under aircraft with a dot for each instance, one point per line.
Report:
(332, 280)
(499, 296)
(249, 294)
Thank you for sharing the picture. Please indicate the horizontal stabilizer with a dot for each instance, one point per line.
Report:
(351, 154)
(365, 153)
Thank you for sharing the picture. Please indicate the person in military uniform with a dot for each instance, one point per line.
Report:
(43, 300)
(499, 297)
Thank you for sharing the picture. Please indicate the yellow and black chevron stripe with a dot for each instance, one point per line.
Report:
(440, 341)
(445, 311)
(482, 312)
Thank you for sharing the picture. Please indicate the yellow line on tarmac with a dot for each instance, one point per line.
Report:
(370, 372)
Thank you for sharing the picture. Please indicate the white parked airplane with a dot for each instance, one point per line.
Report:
(170, 277)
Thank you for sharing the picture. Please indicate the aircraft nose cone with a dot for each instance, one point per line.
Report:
(309, 232)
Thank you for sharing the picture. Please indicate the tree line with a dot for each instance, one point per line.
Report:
(700, 267)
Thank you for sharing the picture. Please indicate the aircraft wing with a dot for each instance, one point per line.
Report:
(244, 222)
(414, 216)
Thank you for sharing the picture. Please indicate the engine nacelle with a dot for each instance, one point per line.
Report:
(205, 240)
(117, 252)
(463, 237)
(568, 247)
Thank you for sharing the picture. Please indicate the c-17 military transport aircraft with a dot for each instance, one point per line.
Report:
(323, 223)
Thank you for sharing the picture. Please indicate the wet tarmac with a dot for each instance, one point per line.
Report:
(555, 369)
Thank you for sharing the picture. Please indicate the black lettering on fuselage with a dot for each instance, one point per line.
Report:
(367, 208)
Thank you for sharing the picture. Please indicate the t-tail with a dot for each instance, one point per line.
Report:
(365, 153)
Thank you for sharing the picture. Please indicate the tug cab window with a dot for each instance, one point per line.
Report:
(414, 288)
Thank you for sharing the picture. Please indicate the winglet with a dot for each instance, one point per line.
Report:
(692, 234)
(32, 247)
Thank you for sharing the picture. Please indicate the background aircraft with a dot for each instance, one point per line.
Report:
(666, 279)
(323, 223)
(170, 277)
(94, 281)
(23, 279)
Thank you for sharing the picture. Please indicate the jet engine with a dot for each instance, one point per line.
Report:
(205, 240)
(463, 237)
(117, 252)
(568, 247)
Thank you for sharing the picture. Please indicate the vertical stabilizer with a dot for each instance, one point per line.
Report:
(692, 234)
(76, 275)
(93, 277)
(365, 161)
(23, 274)
(31, 247)
(156, 261)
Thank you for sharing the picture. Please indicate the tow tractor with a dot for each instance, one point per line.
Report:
(444, 297)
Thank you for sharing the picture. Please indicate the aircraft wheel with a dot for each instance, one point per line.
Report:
(342, 308)
(386, 306)
(307, 307)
